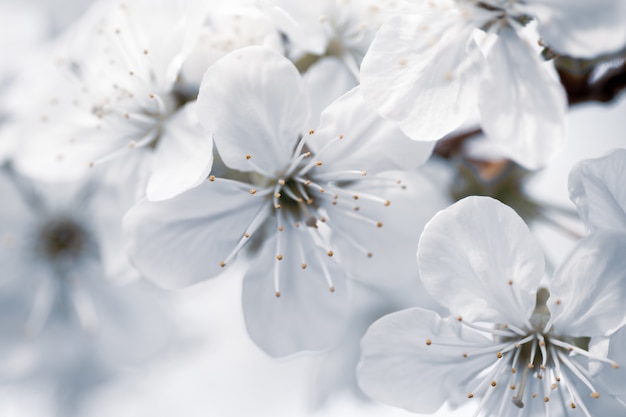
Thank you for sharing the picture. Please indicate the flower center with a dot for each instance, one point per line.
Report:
(62, 239)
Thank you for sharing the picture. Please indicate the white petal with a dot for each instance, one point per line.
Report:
(398, 367)
(581, 28)
(478, 258)
(588, 290)
(368, 142)
(423, 73)
(596, 186)
(522, 105)
(307, 315)
(613, 378)
(392, 246)
(255, 103)
(183, 158)
(326, 80)
(182, 241)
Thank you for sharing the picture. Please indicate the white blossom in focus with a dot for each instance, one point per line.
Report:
(313, 206)
(510, 345)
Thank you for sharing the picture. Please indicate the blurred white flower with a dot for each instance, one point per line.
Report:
(517, 347)
(67, 320)
(596, 186)
(117, 91)
(431, 68)
(311, 203)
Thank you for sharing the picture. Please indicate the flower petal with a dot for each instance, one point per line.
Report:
(255, 103)
(368, 142)
(522, 105)
(183, 158)
(409, 355)
(580, 28)
(181, 241)
(588, 289)
(596, 186)
(423, 73)
(307, 315)
(478, 258)
(413, 203)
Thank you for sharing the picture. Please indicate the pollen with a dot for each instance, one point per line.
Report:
(303, 266)
(246, 235)
(499, 355)
(277, 294)
(248, 156)
(330, 253)
(387, 203)
(222, 264)
(212, 178)
(318, 163)
(281, 228)
(311, 131)
(279, 257)
(470, 395)
(546, 399)
(429, 342)
(332, 289)
(595, 395)
(252, 191)
(494, 383)
(379, 224)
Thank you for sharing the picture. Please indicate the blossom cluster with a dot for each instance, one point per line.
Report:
(357, 164)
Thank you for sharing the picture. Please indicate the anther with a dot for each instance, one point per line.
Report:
(281, 228)
(307, 182)
(429, 342)
(493, 383)
(252, 191)
(546, 399)
(510, 282)
(470, 395)
(318, 163)
(279, 257)
(572, 405)
(512, 387)
(370, 254)
(459, 318)
(303, 266)
(340, 137)
(330, 253)
(558, 302)
(246, 235)
(222, 264)
(332, 289)
(356, 197)
(465, 355)
(553, 386)
(151, 95)
(145, 52)
(379, 224)
(277, 294)
(595, 395)
(281, 182)
(387, 203)
(499, 355)
(311, 131)
(277, 195)
(212, 178)
(248, 156)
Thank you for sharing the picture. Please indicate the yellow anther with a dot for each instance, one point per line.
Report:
(252, 191)
(279, 257)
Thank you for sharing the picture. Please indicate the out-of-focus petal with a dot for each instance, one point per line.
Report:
(522, 105)
(581, 28)
(597, 188)
(423, 72)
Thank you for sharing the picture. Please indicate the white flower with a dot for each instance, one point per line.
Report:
(431, 68)
(118, 93)
(596, 186)
(516, 347)
(311, 203)
(66, 317)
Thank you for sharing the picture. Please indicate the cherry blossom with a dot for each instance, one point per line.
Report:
(308, 202)
(510, 344)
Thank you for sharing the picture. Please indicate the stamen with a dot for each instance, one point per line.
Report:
(490, 330)
(42, 306)
(580, 374)
(583, 352)
(257, 221)
(310, 165)
(147, 139)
